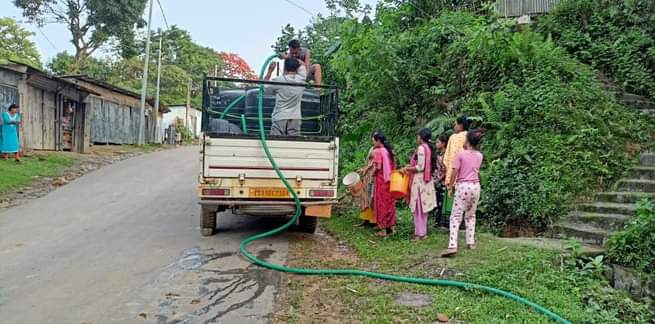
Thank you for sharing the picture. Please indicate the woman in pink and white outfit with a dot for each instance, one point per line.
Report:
(466, 182)
(422, 196)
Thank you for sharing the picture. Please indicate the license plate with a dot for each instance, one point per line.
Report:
(269, 193)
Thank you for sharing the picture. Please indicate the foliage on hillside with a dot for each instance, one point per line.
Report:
(634, 246)
(555, 133)
(614, 36)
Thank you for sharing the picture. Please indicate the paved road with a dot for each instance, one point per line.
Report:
(122, 245)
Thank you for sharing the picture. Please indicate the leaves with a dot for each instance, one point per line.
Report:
(92, 23)
(555, 133)
(15, 44)
(634, 246)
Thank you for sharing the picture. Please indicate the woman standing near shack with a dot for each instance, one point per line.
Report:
(422, 198)
(9, 143)
(384, 205)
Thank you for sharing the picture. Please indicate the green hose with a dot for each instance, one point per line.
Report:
(353, 272)
(231, 105)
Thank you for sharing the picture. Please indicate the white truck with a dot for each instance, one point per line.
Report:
(236, 174)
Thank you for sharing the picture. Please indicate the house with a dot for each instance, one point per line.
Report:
(54, 112)
(524, 8)
(115, 113)
(193, 118)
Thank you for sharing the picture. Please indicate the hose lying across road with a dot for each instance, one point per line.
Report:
(354, 272)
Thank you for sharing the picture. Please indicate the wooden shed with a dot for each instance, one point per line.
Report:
(115, 113)
(53, 110)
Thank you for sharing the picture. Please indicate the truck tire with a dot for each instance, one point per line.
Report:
(307, 224)
(208, 220)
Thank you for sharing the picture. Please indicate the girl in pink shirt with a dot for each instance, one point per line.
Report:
(466, 182)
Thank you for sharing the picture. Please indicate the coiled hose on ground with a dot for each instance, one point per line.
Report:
(354, 272)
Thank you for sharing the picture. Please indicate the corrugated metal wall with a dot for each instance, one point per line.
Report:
(112, 123)
(8, 96)
(517, 8)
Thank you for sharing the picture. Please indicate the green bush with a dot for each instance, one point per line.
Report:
(634, 246)
(614, 36)
(555, 133)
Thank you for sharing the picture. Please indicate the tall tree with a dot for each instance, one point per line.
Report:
(15, 44)
(92, 23)
(236, 67)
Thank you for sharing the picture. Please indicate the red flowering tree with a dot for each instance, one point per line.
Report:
(236, 67)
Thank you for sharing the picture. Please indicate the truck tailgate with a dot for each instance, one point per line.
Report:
(232, 157)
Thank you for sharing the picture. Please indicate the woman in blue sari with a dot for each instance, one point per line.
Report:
(9, 139)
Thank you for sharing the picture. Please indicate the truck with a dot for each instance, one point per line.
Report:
(235, 173)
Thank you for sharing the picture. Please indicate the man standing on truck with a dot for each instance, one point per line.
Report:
(287, 116)
(314, 71)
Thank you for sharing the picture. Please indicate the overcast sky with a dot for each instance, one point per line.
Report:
(245, 27)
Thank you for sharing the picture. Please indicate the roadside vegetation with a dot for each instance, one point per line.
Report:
(557, 135)
(16, 175)
(614, 37)
(570, 285)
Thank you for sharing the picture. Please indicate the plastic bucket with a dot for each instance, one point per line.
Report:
(353, 182)
(399, 184)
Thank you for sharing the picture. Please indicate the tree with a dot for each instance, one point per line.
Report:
(236, 67)
(92, 23)
(64, 63)
(178, 48)
(15, 44)
(282, 42)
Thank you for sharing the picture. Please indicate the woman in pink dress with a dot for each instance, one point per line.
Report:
(384, 205)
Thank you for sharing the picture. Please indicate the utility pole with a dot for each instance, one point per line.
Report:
(156, 115)
(188, 104)
(144, 84)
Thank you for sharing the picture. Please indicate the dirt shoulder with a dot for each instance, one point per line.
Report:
(314, 299)
(82, 164)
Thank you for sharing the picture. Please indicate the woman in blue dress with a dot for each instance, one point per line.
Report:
(9, 139)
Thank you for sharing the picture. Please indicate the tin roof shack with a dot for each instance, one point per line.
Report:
(115, 113)
(53, 112)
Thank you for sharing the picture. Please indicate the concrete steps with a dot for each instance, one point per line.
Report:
(647, 159)
(585, 233)
(601, 221)
(593, 222)
(608, 208)
(552, 244)
(642, 173)
(623, 197)
(636, 185)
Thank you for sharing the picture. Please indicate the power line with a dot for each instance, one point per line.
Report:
(299, 7)
(163, 14)
(47, 39)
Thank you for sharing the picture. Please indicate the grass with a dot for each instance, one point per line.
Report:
(15, 175)
(544, 277)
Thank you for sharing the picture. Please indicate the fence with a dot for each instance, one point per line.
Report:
(517, 8)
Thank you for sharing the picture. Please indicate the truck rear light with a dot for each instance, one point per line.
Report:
(321, 193)
(215, 192)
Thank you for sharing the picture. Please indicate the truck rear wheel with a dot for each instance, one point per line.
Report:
(208, 220)
(307, 224)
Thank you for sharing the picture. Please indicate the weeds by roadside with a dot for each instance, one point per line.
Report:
(575, 290)
(15, 175)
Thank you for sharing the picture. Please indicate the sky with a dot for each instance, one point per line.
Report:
(244, 27)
